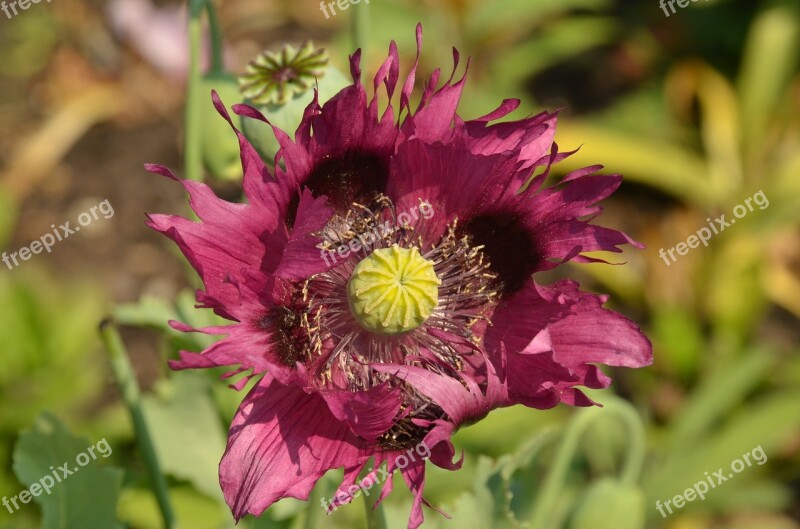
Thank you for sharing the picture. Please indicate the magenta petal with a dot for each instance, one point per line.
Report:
(442, 450)
(216, 256)
(297, 160)
(522, 316)
(328, 398)
(434, 117)
(529, 138)
(455, 181)
(343, 496)
(301, 257)
(259, 186)
(210, 252)
(506, 107)
(281, 442)
(597, 335)
(562, 214)
(408, 86)
(589, 376)
(369, 413)
(563, 354)
(461, 404)
(414, 476)
(534, 379)
(246, 346)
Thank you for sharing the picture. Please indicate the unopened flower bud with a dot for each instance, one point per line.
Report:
(219, 144)
(610, 504)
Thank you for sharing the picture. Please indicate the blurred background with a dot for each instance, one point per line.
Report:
(700, 110)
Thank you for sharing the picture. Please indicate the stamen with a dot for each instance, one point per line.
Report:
(397, 300)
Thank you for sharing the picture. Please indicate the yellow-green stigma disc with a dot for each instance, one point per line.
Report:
(393, 290)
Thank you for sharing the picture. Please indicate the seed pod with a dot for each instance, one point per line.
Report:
(280, 85)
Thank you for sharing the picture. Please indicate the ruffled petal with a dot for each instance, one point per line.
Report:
(260, 188)
(592, 334)
(460, 403)
(436, 113)
(519, 318)
(281, 442)
(369, 413)
(302, 257)
(555, 335)
(529, 139)
(217, 257)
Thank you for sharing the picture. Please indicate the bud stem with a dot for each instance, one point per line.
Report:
(375, 517)
(217, 59)
(359, 25)
(129, 387)
(546, 503)
(192, 157)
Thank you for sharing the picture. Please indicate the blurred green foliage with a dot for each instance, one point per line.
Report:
(78, 496)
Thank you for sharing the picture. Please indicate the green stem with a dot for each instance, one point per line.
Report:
(311, 508)
(632, 468)
(548, 498)
(217, 60)
(359, 26)
(375, 516)
(193, 161)
(126, 379)
(637, 441)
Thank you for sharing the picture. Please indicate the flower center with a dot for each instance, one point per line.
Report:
(393, 290)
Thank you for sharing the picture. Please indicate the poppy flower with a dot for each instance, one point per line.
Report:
(380, 283)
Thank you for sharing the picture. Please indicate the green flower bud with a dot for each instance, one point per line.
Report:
(610, 504)
(218, 142)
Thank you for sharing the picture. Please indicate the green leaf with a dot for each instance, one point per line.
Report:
(555, 44)
(508, 15)
(149, 311)
(750, 496)
(685, 176)
(769, 62)
(490, 502)
(86, 498)
(609, 504)
(187, 431)
(718, 395)
(139, 509)
(768, 422)
(48, 344)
